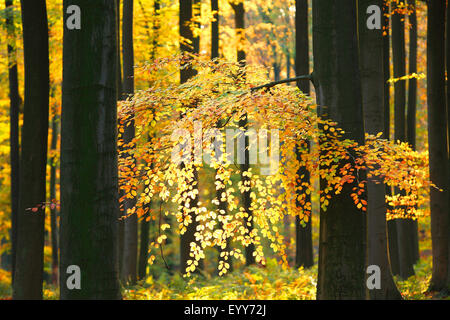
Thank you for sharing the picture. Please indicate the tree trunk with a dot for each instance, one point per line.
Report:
(448, 134)
(145, 225)
(53, 210)
(304, 247)
(342, 244)
(186, 14)
(437, 141)
(89, 173)
(405, 257)
(14, 100)
(215, 29)
(130, 238)
(411, 115)
(391, 224)
(239, 25)
(372, 75)
(30, 230)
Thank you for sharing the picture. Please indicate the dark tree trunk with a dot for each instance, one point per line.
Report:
(89, 173)
(404, 252)
(215, 29)
(304, 246)
(130, 236)
(372, 76)
(342, 244)
(411, 115)
(437, 141)
(121, 223)
(448, 133)
(391, 224)
(145, 225)
(14, 100)
(186, 14)
(53, 210)
(239, 25)
(28, 273)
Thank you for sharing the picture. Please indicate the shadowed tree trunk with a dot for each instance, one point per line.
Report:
(186, 14)
(437, 141)
(145, 225)
(14, 101)
(89, 173)
(448, 134)
(28, 273)
(411, 114)
(130, 236)
(239, 25)
(372, 75)
(404, 252)
(391, 224)
(336, 78)
(304, 246)
(53, 209)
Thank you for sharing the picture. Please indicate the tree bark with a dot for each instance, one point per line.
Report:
(372, 76)
(89, 173)
(186, 15)
(342, 244)
(130, 244)
(437, 141)
(14, 101)
(28, 274)
(145, 225)
(411, 115)
(405, 257)
(239, 25)
(53, 210)
(304, 247)
(215, 29)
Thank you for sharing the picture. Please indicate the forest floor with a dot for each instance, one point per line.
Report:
(270, 282)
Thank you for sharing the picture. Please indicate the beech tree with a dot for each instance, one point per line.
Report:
(336, 78)
(130, 234)
(403, 226)
(239, 26)
(89, 159)
(14, 103)
(372, 76)
(33, 161)
(437, 143)
(304, 246)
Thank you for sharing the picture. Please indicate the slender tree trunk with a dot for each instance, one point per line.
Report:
(14, 100)
(411, 115)
(53, 210)
(215, 29)
(304, 246)
(89, 173)
(405, 257)
(342, 244)
(28, 273)
(186, 14)
(391, 224)
(121, 223)
(372, 75)
(145, 225)
(239, 25)
(437, 141)
(448, 133)
(130, 244)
